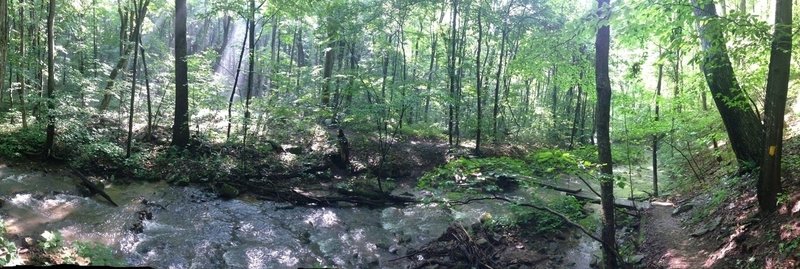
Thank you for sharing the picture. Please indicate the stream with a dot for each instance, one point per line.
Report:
(191, 228)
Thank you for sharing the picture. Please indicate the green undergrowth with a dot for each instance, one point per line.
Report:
(57, 251)
(472, 177)
(101, 152)
(9, 254)
(498, 174)
(537, 222)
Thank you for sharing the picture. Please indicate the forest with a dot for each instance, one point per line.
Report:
(400, 133)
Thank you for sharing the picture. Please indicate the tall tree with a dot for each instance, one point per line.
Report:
(655, 136)
(138, 5)
(452, 72)
(742, 124)
(327, 70)
(3, 44)
(478, 82)
(236, 79)
(769, 181)
(496, 109)
(147, 92)
(602, 118)
(51, 81)
(20, 72)
(180, 127)
(136, 18)
(251, 68)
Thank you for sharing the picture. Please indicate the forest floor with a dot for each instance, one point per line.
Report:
(669, 244)
(716, 224)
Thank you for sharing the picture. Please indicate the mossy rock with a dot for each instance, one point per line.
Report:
(226, 191)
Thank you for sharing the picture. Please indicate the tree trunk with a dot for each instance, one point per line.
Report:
(430, 76)
(478, 83)
(576, 118)
(251, 68)
(51, 81)
(20, 77)
(496, 108)
(147, 91)
(452, 73)
(769, 181)
(603, 140)
(180, 128)
(656, 136)
(3, 46)
(742, 124)
(236, 80)
(125, 51)
(136, 48)
(327, 70)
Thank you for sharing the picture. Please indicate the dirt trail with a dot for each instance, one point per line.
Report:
(668, 244)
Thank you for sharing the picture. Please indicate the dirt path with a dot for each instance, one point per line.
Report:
(668, 244)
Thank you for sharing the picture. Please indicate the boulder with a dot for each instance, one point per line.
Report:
(636, 259)
(293, 149)
(683, 208)
(226, 191)
(708, 227)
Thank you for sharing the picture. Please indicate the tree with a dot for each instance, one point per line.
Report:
(124, 50)
(51, 81)
(180, 128)
(20, 76)
(742, 124)
(3, 44)
(655, 136)
(478, 82)
(236, 80)
(451, 69)
(141, 8)
(769, 180)
(602, 118)
(251, 69)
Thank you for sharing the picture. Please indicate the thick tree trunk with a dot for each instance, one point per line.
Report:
(180, 127)
(603, 140)
(744, 129)
(51, 81)
(769, 181)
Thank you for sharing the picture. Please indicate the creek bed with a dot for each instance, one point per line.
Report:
(191, 228)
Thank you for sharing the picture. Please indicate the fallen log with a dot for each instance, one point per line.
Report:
(624, 203)
(550, 186)
(92, 187)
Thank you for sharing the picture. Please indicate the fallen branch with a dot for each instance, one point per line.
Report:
(549, 210)
(587, 185)
(92, 187)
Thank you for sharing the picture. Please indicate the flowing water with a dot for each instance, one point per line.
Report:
(191, 228)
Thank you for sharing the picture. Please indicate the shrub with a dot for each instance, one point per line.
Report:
(98, 254)
(488, 174)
